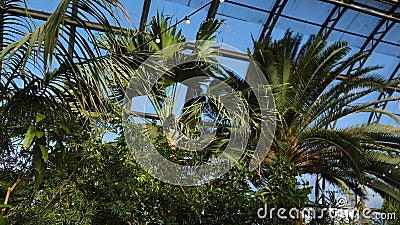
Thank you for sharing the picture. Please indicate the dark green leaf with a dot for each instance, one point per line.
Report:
(29, 136)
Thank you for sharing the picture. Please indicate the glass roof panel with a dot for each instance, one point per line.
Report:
(393, 35)
(357, 22)
(376, 4)
(190, 3)
(238, 33)
(262, 4)
(169, 8)
(388, 50)
(354, 41)
(388, 63)
(300, 9)
(297, 26)
(241, 13)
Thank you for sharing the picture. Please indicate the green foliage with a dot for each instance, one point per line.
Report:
(285, 190)
(2, 220)
(390, 209)
(106, 186)
(55, 111)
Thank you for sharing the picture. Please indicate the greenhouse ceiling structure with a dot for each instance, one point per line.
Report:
(372, 26)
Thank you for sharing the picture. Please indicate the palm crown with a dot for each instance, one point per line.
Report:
(310, 98)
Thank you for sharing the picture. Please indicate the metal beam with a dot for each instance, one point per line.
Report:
(272, 19)
(331, 21)
(213, 9)
(320, 184)
(145, 14)
(1, 30)
(364, 10)
(375, 117)
(40, 15)
(391, 2)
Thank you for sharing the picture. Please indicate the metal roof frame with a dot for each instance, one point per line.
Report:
(366, 9)
(330, 22)
(375, 117)
(372, 42)
(309, 22)
(272, 19)
(145, 14)
(212, 12)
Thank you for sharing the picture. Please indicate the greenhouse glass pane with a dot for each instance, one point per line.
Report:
(238, 33)
(242, 13)
(301, 9)
(357, 22)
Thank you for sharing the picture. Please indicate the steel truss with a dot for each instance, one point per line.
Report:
(212, 12)
(308, 22)
(373, 40)
(331, 21)
(369, 46)
(320, 185)
(145, 14)
(375, 117)
(272, 19)
(366, 9)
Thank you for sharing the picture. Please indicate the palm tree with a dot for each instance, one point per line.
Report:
(52, 82)
(54, 95)
(129, 51)
(311, 97)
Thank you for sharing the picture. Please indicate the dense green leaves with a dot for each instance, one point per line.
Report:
(56, 107)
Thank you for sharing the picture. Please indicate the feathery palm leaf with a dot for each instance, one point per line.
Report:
(312, 97)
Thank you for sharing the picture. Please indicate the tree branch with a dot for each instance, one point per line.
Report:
(10, 189)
